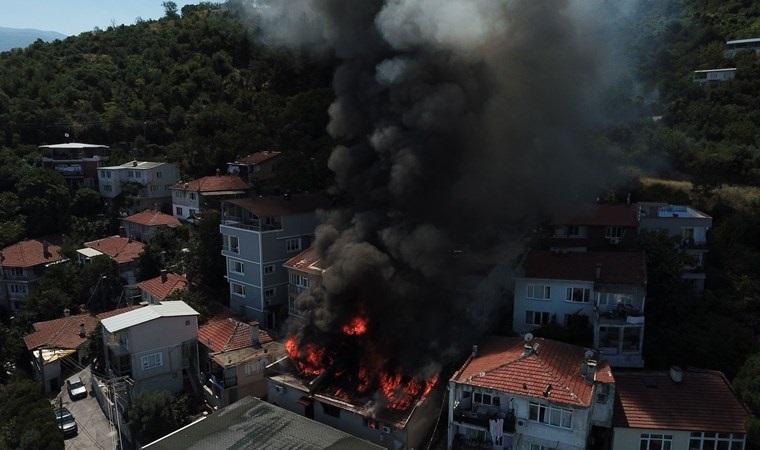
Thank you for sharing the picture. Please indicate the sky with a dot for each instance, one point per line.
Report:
(72, 17)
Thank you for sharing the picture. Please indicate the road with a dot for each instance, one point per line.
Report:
(95, 431)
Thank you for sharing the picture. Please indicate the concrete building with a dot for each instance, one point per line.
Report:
(191, 197)
(145, 224)
(304, 271)
(77, 162)
(600, 227)
(156, 290)
(23, 264)
(255, 168)
(146, 185)
(125, 252)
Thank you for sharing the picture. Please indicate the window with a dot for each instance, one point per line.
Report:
(293, 245)
(550, 415)
(237, 289)
(17, 272)
(573, 230)
(299, 280)
(611, 298)
(536, 318)
(614, 233)
(331, 410)
(602, 393)
(192, 196)
(159, 174)
(269, 269)
(152, 361)
(237, 267)
(486, 399)
(269, 293)
(687, 234)
(153, 188)
(655, 441)
(178, 211)
(539, 292)
(107, 188)
(580, 295)
(230, 243)
(720, 441)
(177, 194)
(254, 366)
(17, 288)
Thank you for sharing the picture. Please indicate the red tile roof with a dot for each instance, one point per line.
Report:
(227, 335)
(151, 218)
(306, 261)
(161, 286)
(258, 157)
(613, 267)
(214, 183)
(31, 252)
(600, 215)
(61, 333)
(502, 363)
(120, 249)
(282, 206)
(702, 401)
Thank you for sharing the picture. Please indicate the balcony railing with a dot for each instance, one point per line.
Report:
(238, 222)
(481, 418)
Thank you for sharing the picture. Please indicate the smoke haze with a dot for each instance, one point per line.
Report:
(463, 123)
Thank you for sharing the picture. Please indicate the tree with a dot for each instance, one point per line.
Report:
(195, 300)
(26, 418)
(155, 414)
(87, 202)
(170, 10)
(45, 202)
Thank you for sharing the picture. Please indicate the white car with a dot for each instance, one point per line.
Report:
(76, 388)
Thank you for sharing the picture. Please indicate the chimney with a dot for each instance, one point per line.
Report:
(66, 312)
(255, 341)
(123, 231)
(134, 163)
(155, 207)
(129, 240)
(474, 351)
(218, 172)
(82, 332)
(164, 275)
(46, 249)
(588, 370)
(676, 374)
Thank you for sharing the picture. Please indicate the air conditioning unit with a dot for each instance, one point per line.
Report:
(520, 422)
(385, 429)
(279, 389)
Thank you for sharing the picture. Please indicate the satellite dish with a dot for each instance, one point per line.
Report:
(528, 337)
(589, 354)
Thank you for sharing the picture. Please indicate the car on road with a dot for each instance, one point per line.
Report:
(76, 388)
(66, 422)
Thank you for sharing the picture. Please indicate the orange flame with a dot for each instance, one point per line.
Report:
(310, 361)
(356, 327)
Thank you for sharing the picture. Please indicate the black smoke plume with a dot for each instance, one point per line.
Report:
(463, 122)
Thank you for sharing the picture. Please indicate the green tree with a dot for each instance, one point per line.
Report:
(170, 10)
(86, 203)
(196, 300)
(155, 414)
(26, 418)
(45, 202)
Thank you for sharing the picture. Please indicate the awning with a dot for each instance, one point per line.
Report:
(53, 354)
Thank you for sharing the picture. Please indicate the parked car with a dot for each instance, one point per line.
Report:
(76, 388)
(66, 422)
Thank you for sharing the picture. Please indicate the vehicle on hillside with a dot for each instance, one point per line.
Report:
(76, 388)
(66, 422)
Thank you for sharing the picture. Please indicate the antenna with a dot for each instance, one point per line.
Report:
(528, 337)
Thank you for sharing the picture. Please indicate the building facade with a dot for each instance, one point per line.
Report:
(259, 236)
(78, 163)
(304, 272)
(191, 197)
(145, 224)
(22, 265)
(147, 185)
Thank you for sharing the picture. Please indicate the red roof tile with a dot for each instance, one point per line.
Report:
(61, 333)
(151, 218)
(120, 249)
(160, 287)
(31, 252)
(227, 335)
(702, 401)
(600, 215)
(502, 363)
(281, 206)
(213, 184)
(306, 261)
(258, 157)
(613, 267)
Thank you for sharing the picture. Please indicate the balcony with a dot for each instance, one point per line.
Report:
(483, 415)
(253, 225)
(621, 315)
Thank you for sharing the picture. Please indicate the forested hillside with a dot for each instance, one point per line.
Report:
(197, 88)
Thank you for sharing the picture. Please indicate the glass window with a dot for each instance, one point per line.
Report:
(539, 292)
(293, 245)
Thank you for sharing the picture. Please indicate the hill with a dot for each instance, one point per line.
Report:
(22, 37)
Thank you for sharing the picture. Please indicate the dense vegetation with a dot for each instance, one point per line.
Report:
(197, 89)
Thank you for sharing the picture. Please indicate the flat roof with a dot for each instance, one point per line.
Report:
(89, 252)
(743, 41)
(255, 424)
(146, 314)
(73, 145)
(716, 70)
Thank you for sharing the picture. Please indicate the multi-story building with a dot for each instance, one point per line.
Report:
(145, 184)
(304, 271)
(531, 394)
(23, 264)
(677, 409)
(690, 225)
(156, 346)
(144, 225)
(714, 76)
(259, 235)
(256, 167)
(189, 198)
(77, 162)
(125, 252)
(595, 227)
(233, 357)
(604, 289)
